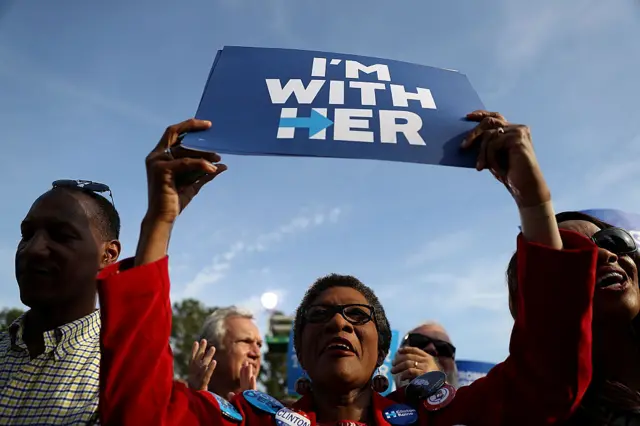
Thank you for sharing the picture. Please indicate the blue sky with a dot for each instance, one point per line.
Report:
(87, 88)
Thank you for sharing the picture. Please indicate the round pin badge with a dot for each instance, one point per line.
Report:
(227, 408)
(262, 401)
(441, 398)
(287, 417)
(400, 415)
(422, 387)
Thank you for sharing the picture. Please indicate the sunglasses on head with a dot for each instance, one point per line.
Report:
(420, 341)
(615, 240)
(354, 313)
(85, 185)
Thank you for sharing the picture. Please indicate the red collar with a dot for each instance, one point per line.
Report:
(342, 423)
(305, 405)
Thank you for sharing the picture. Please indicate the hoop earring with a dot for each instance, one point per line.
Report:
(379, 383)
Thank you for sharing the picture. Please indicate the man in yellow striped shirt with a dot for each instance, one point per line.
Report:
(50, 356)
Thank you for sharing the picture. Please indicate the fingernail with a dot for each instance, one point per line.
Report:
(207, 122)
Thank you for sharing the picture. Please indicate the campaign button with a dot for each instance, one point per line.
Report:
(287, 417)
(262, 401)
(227, 408)
(425, 385)
(400, 415)
(441, 398)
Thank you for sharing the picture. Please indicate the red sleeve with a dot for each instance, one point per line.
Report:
(136, 369)
(549, 366)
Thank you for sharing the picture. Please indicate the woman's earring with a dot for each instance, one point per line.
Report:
(303, 385)
(380, 383)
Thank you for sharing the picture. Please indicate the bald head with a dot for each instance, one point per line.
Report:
(437, 333)
(433, 330)
(103, 215)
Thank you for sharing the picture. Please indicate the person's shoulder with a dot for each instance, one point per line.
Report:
(5, 338)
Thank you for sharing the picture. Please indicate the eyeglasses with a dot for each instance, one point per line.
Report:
(85, 185)
(355, 313)
(616, 240)
(421, 341)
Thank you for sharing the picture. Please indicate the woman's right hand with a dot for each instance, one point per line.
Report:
(168, 159)
(168, 196)
(507, 151)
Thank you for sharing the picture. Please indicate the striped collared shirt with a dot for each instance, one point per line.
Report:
(59, 387)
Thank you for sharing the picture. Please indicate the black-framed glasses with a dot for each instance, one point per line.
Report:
(355, 313)
(421, 341)
(85, 185)
(616, 240)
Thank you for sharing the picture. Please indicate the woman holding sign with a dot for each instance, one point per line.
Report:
(613, 397)
(341, 331)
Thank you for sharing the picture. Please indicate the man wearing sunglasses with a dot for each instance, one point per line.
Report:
(425, 348)
(50, 357)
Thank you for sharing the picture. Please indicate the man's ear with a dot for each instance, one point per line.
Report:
(110, 253)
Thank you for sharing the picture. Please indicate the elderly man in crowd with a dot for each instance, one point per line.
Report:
(227, 358)
(425, 348)
(50, 356)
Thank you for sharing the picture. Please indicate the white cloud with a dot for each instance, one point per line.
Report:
(482, 285)
(440, 248)
(529, 29)
(221, 263)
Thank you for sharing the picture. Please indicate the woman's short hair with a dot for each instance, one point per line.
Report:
(336, 280)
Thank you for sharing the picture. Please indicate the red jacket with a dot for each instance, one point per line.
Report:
(540, 383)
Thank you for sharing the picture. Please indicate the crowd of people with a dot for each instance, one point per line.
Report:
(573, 295)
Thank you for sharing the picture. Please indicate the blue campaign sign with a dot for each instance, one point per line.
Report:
(294, 370)
(619, 219)
(470, 371)
(385, 369)
(319, 104)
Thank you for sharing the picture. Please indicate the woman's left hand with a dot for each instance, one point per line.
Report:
(507, 151)
(412, 362)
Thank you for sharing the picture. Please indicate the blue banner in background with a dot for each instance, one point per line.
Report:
(470, 371)
(318, 104)
(294, 370)
(385, 369)
(619, 219)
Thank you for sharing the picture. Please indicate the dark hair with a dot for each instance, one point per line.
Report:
(603, 398)
(336, 280)
(105, 215)
(603, 402)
